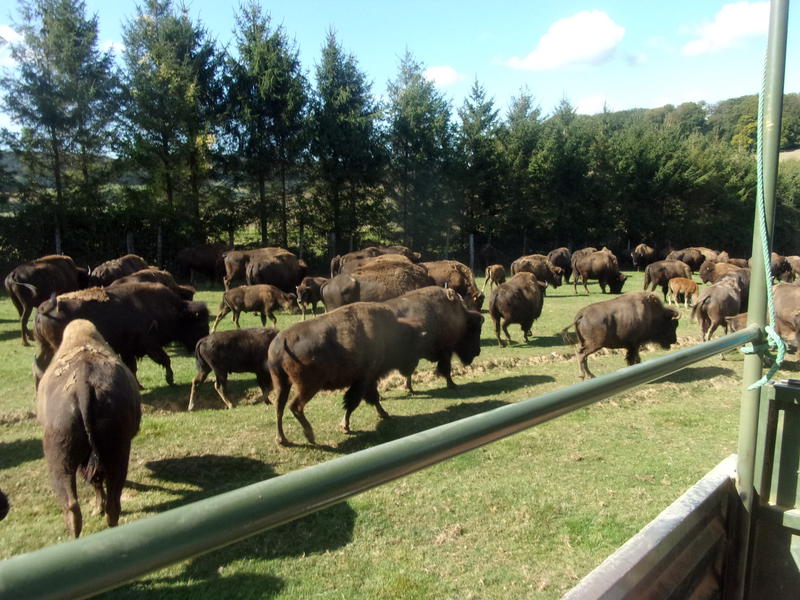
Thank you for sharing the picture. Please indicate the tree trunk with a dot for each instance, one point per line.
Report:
(472, 251)
(284, 217)
(159, 245)
(129, 242)
(262, 208)
(58, 239)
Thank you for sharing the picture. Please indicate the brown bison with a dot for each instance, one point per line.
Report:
(787, 313)
(236, 261)
(519, 300)
(205, 260)
(642, 256)
(449, 327)
(629, 321)
(340, 264)
(310, 292)
(661, 271)
(262, 299)
(541, 268)
(237, 351)
(151, 275)
(561, 258)
(711, 271)
(32, 283)
(780, 267)
(794, 262)
(107, 272)
(88, 403)
(281, 269)
(356, 263)
(4, 506)
(722, 299)
(724, 257)
(136, 319)
(495, 275)
(681, 286)
(350, 347)
(601, 265)
(693, 257)
(374, 282)
(456, 276)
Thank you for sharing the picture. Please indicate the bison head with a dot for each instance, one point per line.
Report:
(616, 283)
(289, 302)
(193, 324)
(469, 346)
(666, 334)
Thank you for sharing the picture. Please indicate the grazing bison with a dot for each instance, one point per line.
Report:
(262, 299)
(580, 253)
(157, 276)
(88, 403)
(357, 263)
(281, 269)
(681, 286)
(661, 271)
(541, 268)
(236, 261)
(722, 299)
(339, 263)
(309, 292)
(561, 258)
(519, 300)
(601, 265)
(107, 272)
(642, 256)
(629, 321)
(205, 260)
(448, 324)
(495, 275)
(794, 262)
(237, 351)
(711, 271)
(691, 256)
(32, 283)
(456, 276)
(350, 347)
(374, 282)
(4, 506)
(136, 319)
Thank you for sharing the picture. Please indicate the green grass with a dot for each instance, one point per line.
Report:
(524, 517)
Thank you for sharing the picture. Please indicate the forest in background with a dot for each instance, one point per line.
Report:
(182, 142)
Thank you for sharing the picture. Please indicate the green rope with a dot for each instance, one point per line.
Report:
(773, 339)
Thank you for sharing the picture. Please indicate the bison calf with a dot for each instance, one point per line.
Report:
(519, 300)
(680, 286)
(237, 351)
(310, 292)
(88, 403)
(495, 275)
(629, 321)
(262, 298)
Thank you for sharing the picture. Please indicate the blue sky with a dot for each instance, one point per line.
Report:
(618, 53)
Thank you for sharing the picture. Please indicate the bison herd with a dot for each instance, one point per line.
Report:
(385, 310)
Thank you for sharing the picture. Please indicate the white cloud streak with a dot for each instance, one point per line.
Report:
(443, 76)
(731, 24)
(587, 38)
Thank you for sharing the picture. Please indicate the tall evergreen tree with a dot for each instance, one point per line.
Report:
(420, 142)
(63, 97)
(346, 148)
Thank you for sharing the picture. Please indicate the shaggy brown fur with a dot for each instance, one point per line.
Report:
(262, 299)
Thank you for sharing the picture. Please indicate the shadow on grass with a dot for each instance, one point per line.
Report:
(696, 373)
(534, 341)
(175, 398)
(18, 452)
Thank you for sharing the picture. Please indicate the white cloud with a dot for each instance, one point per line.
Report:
(116, 47)
(591, 105)
(589, 37)
(731, 24)
(7, 37)
(442, 76)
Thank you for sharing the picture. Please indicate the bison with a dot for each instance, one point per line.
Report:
(205, 259)
(105, 273)
(722, 299)
(642, 256)
(601, 265)
(693, 257)
(561, 258)
(374, 282)
(152, 275)
(32, 283)
(235, 262)
(351, 347)
(724, 257)
(384, 259)
(681, 286)
(711, 271)
(281, 269)
(629, 321)
(88, 403)
(339, 264)
(310, 292)
(4, 506)
(780, 267)
(661, 271)
(136, 319)
(450, 327)
(456, 276)
(519, 300)
(541, 268)
(495, 275)
(237, 351)
(262, 299)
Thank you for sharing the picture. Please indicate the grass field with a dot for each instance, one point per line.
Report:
(524, 517)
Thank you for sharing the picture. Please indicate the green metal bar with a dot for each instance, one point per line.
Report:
(108, 559)
(757, 302)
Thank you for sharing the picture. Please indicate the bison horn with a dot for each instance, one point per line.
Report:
(450, 293)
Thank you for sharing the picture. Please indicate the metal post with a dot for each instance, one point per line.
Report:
(748, 421)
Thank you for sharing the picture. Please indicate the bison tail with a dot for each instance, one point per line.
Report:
(697, 308)
(86, 398)
(569, 338)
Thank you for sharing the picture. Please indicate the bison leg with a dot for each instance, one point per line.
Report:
(409, 385)
(222, 312)
(582, 355)
(100, 499)
(62, 475)
(116, 473)
(220, 379)
(265, 384)
(506, 323)
(160, 357)
(281, 384)
(632, 355)
(444, 367)
(372, 397)
(351, 400)
(497, 331)
(199, 378)
(271, 318)
(235, 318)
(302, 396)
(23, 320)
(303, 309)
(585, 287)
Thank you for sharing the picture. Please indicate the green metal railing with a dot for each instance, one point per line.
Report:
(112, 557)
